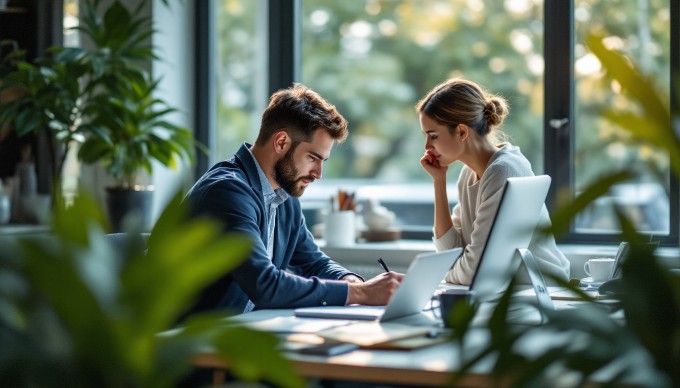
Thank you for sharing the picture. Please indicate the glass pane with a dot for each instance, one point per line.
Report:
(71, 168)
(240, 56)
(71, 36)
(374, 59)
(640, 30)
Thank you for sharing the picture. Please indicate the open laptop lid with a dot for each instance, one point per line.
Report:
(521, 203)
(422, 279)
(423, 276)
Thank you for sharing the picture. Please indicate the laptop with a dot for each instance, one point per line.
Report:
(422, 278)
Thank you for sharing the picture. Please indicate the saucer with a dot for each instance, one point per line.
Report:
(589, 283)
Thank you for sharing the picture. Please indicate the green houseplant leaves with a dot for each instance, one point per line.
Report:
(47, 97)
(102, 97)
(128, 128)
(128, 131)
(76, 310)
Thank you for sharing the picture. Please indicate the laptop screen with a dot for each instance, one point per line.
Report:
(521, 203)
(422, 278)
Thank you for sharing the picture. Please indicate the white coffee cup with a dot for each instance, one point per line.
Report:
(599, 269)
(340, 228)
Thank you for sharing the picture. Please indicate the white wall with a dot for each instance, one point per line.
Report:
(174, 41)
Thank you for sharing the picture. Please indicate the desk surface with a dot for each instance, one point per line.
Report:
(431, 365)
(23, 229)
(426, 366)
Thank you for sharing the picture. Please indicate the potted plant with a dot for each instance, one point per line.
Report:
(101, 97)
(127, 132)
(127, 129)
(42, 99)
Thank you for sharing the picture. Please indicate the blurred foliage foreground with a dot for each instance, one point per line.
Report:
(77, 310)
(642, 346)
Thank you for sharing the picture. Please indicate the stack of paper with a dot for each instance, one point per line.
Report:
(369, 334)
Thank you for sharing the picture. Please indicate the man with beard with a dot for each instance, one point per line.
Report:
(256, 192)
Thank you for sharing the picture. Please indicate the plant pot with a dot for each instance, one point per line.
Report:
(129, 209)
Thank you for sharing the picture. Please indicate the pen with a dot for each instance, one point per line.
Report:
(382, 264)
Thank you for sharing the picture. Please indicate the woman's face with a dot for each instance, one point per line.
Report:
(445, 145)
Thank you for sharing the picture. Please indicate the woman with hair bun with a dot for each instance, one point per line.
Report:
(460, 121)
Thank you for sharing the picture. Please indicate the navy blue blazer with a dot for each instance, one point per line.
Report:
(231, 191)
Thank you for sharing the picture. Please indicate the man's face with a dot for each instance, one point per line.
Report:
(303, 164)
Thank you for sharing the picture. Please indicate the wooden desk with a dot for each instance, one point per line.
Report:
(428, 366)
(373, 366)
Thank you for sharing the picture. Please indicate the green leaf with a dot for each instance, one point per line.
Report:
(77, 308)
(116, 23)
(9, 110)
(254, 357)
(653, 124)
(27, 121)
(93, 150)
(632, 82)
(173, 249)
(74, 223)
(71, 54)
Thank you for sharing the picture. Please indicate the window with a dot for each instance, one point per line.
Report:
(240, 78)
(640, 30)
(581, 144)
(374, 59)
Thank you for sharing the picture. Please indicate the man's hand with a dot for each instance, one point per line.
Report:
(376, 291)
(350, 278)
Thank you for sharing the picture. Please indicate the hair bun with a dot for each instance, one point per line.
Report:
(495, 111)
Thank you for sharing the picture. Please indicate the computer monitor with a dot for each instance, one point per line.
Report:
(521, 203)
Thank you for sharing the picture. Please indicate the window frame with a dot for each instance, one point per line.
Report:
(284, 68)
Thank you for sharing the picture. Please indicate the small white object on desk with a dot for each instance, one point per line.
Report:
(376, 216)
(588, 284)
(599, 269)
(379, 221)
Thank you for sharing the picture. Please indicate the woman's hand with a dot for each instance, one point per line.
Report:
(432, 167)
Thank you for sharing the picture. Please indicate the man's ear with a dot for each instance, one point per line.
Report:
(281, 142)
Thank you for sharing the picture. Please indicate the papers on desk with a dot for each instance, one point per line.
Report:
(561, 293)
(312, 331)
(369, 334)
(291, 324)
(570, 295)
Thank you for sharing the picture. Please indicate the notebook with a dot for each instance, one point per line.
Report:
(422, 278)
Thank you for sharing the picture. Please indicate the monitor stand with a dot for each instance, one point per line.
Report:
(529, 312)
(537, 282)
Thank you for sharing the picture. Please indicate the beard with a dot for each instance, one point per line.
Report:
(286, 175)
